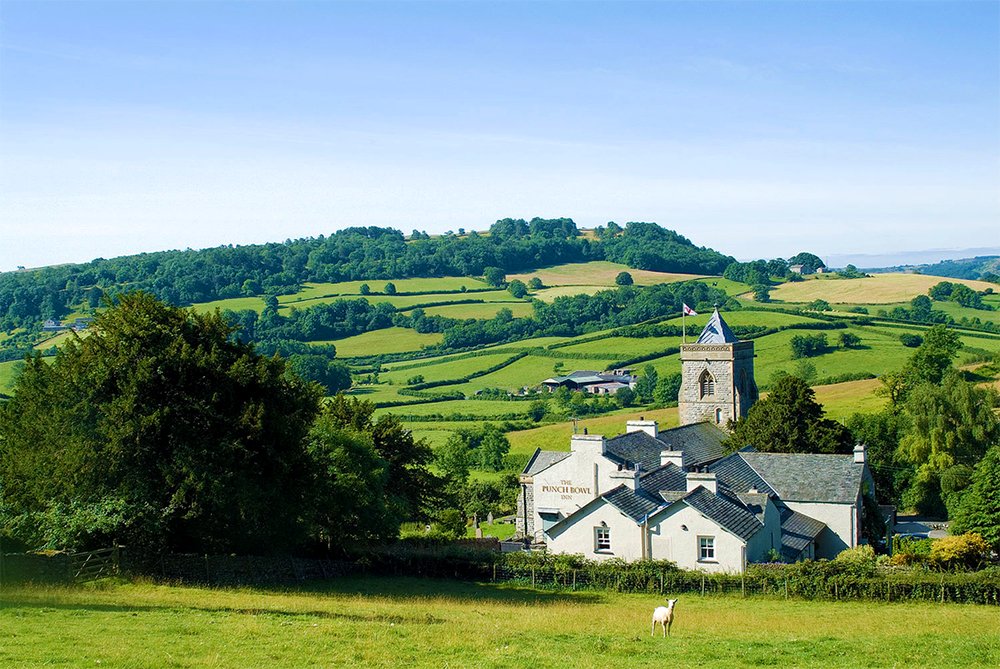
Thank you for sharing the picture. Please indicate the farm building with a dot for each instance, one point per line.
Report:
(677, 495)
(598, 383)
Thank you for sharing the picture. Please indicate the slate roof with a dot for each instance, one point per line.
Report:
(634, 504)
(701, 442)
(797, 532)
(543, 460)
(635, 447)
(666, 478)
(716, 331)
(808, 477)
(735, 474)
(728, 513)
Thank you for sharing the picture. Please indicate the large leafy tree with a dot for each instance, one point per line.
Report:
(979, 510)
(412, 490)
(952, 426)
(156, 430)
(790, 420)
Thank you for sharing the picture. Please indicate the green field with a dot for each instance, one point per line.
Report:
(382, 622)
(7, 370)
(597, 273)
(389, 340)
(232, 304)
(481, 311)
(449, 369)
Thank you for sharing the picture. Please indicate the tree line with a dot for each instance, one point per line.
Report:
(358, 253)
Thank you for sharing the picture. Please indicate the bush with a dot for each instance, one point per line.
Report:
(966, 551)
(858, 561)
(911, 340)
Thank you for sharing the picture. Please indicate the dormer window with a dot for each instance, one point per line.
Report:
(707, 383)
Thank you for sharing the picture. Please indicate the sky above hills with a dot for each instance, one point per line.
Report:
(759, 129)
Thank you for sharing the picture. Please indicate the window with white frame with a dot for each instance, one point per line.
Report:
(706, 549)
(602, 539)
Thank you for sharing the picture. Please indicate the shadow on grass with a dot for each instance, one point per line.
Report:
(408, 587)
(95, 607)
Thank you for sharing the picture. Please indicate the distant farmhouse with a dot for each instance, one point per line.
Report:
(677, 495)
(54, 325)
(598, 383)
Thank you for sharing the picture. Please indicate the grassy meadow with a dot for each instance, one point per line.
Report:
(381, 622)
(389, 340)
(597, 273)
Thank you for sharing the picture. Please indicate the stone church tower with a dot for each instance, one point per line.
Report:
(717, 376)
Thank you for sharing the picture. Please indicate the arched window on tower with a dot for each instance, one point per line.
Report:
(707, 383)
(718, 416)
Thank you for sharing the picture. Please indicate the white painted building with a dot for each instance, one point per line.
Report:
(676, 495)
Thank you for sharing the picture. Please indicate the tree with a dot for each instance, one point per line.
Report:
(517, 288)
(807, 346)
(762, 293)
(412, 490)
(625, 397)
(175, 435)
(646, 384)
(789, 420)
(911, 340)
(951, 424)
(349, 499)
(333, 375)
(390, 288)
(493, 446)
(809, 261)
(818, 305)
(881, 433)
(934, 355)
(979, 509)
(494, 276)
(849, 340)
(623, 279)
(535, 283)
(667, 388)
(365, 289)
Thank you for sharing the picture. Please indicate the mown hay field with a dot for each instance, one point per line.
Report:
(876, 289)
(404, 622)
(597, 273)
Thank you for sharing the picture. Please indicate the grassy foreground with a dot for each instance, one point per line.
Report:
(427, 623)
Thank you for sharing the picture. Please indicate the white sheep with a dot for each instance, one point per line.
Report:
(665, 616)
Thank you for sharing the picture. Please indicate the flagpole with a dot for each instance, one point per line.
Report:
(684, 339)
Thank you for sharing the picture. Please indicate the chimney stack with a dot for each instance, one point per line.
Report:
(859, 454)
(630, 477)
(590, 444)
(650, 427)
(706, 480)
(672, 458)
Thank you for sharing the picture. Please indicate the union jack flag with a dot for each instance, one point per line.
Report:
(688, 311)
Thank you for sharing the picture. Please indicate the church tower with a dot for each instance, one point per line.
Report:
(717, 383)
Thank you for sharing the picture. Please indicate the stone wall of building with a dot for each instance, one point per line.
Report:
(524, 524)
(729, 365)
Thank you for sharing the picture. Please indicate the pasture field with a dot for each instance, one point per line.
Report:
(528, 371)
(449, 369)
(728, 286)
(311, 291)
(484, 311)
(388, 340)
(58, 339)
(394, 622)
(232, 304)
(876, 289)
(840, 400)
(550, 294)
(555, 437)
(597, 273)
(486, 409)
(7, 371)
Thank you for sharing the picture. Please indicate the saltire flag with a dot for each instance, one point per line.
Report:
(688, 311)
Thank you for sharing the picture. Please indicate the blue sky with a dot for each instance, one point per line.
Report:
(760, 129)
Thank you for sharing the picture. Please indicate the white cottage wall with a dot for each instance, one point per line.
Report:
(669, 540)
(843, 523)
(577, 536)
(570, 484)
